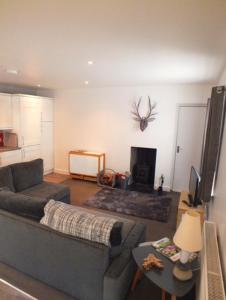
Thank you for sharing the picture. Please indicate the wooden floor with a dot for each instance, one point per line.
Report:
(10, 292)
(56, 178)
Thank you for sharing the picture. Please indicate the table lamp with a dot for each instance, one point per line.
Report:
(189, 239)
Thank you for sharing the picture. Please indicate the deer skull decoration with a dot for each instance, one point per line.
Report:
(148, 118)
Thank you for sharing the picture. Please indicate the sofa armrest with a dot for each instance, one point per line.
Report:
(136, 236)
(119, 275)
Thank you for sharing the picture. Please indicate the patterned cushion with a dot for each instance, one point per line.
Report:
(70, 220)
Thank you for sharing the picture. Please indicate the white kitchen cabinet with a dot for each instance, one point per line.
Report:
(10, 157)
(5, 111)
(27, 119)
(47, 110)
(31, 152)
(33, 122)
(47, 146)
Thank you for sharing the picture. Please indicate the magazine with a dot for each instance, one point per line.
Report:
(166, 247)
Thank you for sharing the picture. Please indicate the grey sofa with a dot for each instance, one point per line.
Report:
(23, 191)
(82, 269)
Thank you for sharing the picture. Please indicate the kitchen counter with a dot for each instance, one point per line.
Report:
(6, 148)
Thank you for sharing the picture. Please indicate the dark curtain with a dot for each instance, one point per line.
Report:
(213, 140)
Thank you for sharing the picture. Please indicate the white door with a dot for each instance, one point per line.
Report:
(5, 111)
(30, 120)
(31, 153)
(47, 146)
(190, 131)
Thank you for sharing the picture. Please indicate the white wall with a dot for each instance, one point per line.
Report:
(100, 119)
(218, 206)
(222, 80)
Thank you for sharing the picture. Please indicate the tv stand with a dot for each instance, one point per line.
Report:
(184, 206)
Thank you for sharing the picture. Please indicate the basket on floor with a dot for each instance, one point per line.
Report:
(106, 177)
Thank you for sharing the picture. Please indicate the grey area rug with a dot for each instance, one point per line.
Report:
(133, 203)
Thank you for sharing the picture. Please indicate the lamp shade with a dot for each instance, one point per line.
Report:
(188, 236)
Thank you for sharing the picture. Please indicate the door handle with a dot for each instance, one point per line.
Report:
(178, 149)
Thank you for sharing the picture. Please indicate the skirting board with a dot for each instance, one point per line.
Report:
(60, 171)
(64, 172)
(165, 188)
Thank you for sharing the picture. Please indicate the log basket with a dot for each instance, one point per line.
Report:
(106, 177)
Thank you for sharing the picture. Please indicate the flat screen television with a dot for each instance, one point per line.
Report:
(194, 185)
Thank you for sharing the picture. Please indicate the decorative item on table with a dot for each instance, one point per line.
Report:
(166, 247)
(189, 239)
(161, 181)
(152, 261)
(106, 177)
(146, 119)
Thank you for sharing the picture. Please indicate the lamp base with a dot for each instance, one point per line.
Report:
(182, 271)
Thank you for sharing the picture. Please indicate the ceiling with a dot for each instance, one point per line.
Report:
(131, 42)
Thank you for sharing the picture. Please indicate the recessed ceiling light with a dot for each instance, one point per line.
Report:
(90, 62)
(38, 85)
(12, 71)
(86, 82)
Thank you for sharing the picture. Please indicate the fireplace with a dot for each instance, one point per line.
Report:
(142, 167)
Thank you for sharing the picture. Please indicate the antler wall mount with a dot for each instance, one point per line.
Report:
(146, 119)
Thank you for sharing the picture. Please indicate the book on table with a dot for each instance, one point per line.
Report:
(167, 248)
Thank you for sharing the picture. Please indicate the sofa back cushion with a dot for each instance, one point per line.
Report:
(27, 174)
(6, 178)
(67, 219)
(25, 206)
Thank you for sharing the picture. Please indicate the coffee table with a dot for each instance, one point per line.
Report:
(10, 292)
(163, 278)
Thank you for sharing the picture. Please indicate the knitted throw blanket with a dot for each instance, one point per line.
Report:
(67, 219)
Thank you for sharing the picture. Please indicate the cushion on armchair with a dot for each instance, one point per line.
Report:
(27, 174)
(48, 190)
(25, 206)
(6, 178)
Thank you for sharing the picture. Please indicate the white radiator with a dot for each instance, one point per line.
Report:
(211, 285)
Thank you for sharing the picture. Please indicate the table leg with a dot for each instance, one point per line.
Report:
(163, 294)
(137, 278)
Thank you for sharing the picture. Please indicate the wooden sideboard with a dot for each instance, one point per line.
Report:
(86, 165)
(182, 208)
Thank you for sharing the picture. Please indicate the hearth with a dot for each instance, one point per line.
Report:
(142, 167)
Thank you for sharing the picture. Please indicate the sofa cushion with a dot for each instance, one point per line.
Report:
(127, 227)
(67, 219)
(48, 190)
(25, 206)
(6, 178)
(27, 174)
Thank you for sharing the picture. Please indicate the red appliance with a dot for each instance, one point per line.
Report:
(1, 139)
